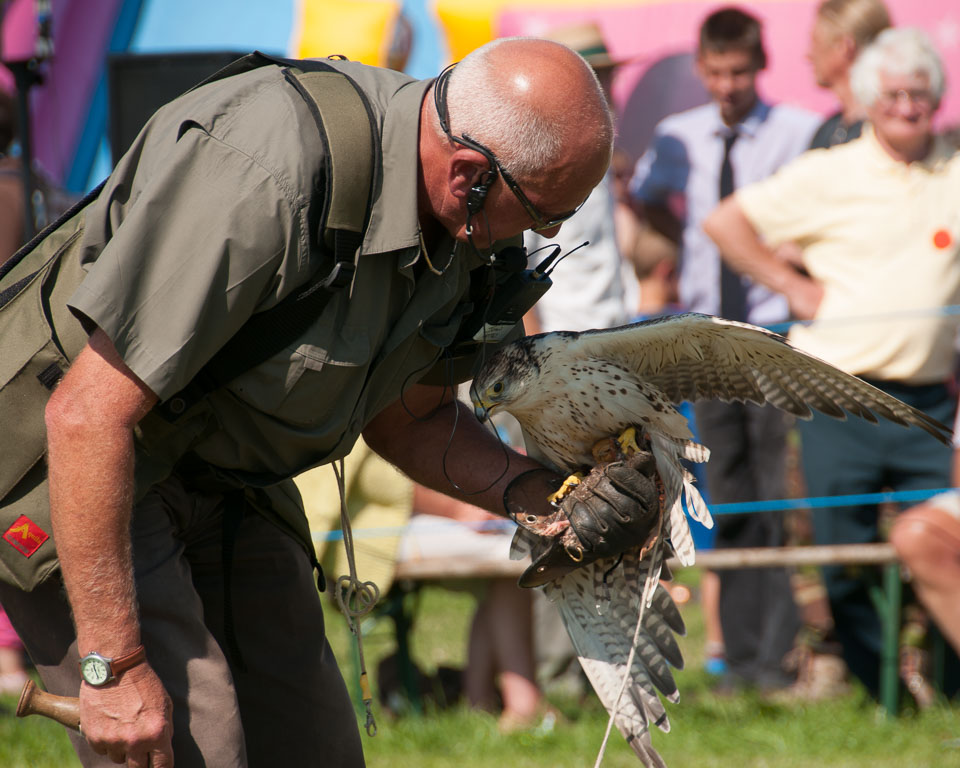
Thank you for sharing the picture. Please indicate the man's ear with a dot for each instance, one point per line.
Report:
(470, 178)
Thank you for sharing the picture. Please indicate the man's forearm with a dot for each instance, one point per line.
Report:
(743, 250)
(91, 497)
(90, 419)
(474, 467)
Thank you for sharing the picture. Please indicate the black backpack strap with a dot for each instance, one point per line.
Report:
(346, 125)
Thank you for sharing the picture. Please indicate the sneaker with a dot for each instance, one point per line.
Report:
(715, 666)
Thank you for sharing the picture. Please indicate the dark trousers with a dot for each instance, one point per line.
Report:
(856, 457)
(748, 463)
(286, 705)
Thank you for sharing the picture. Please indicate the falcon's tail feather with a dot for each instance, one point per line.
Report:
(680, 492)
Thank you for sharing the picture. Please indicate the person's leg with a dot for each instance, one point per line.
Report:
(927, 540)
(479, 675)
(714, 649)
(293, 701)
(722, 429)
(779, 617)
(13, 673)
(842, 458)
(511, 635)
(747, 463)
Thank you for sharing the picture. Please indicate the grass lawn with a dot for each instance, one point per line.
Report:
(708, 731)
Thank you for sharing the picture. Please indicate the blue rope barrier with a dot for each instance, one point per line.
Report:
(850, 500)
(953, 309)
(773, 505)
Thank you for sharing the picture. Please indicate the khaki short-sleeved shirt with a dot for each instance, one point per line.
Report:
(883, 238)
(208, 219)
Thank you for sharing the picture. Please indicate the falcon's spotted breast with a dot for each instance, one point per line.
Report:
(570, 390)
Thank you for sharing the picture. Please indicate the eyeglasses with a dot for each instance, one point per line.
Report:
(540, 221)
(919, 98)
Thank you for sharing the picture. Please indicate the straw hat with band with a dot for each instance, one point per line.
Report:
(587, 40)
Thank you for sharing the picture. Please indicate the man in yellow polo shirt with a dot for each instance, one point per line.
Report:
(878, 222)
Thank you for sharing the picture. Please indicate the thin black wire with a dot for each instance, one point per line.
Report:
(563, 256)
(449, 385)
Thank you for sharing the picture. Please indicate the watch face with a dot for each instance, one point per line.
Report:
(94, 670)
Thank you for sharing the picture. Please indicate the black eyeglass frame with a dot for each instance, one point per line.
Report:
(440, 99)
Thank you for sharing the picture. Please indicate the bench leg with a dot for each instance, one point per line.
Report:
(403, 623)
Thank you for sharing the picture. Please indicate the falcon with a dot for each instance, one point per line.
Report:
(571, 393)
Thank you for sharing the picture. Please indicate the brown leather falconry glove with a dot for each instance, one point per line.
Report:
(614, 508)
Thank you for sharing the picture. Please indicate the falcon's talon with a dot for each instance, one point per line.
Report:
(628, 441)
(568, 484)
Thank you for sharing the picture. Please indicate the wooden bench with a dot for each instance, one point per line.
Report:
(886, 598)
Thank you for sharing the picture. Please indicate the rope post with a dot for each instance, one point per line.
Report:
(889, 610)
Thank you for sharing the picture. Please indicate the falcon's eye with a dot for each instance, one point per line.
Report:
(497, 388)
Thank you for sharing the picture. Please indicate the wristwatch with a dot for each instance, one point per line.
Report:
(97, 670)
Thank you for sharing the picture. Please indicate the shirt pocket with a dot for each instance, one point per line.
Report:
(324, 383)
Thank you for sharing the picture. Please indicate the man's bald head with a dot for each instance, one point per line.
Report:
(534, 103)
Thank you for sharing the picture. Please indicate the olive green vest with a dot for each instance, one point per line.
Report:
(39, 336)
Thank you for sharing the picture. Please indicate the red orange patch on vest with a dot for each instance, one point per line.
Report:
(942, 239)
(25, 536)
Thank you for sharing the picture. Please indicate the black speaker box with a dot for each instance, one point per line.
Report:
(140, 83)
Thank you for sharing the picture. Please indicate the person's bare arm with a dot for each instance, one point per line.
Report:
(475, 459)
(742, 249)
(90, 419)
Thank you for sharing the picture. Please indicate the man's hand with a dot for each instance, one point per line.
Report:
(616, 507)
(129, 720)
(804, 297)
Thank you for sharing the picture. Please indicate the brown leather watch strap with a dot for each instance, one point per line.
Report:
(123, 663)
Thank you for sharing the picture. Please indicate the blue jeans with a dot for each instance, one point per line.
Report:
(856, 457)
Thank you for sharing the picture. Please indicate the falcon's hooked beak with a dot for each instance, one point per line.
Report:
(481, 408)
(481, 411)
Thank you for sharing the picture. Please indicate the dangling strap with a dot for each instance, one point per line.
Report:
(356, 598)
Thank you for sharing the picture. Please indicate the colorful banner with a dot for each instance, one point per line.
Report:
(361, 30)
(658, 39)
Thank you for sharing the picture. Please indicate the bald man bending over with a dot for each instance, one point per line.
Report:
(178, 543)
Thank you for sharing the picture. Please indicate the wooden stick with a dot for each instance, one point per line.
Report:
(35, 701)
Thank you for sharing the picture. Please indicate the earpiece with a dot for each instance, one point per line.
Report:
(477, 196)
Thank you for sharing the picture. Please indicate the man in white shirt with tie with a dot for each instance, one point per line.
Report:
(695, 158)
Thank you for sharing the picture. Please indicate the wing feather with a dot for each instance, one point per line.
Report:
(599, 605)
(699, 357)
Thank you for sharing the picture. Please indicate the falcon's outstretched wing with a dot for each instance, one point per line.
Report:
(569, 390)
(700, 357)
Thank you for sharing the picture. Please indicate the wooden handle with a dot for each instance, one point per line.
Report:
(34, 701)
